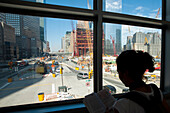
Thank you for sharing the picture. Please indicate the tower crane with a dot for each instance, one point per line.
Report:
(157, 13)
(132, 36)
(89, 7)
(88, 33)
(147, 43)
(113, 46)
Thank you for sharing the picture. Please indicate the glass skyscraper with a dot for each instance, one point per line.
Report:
(30, 32)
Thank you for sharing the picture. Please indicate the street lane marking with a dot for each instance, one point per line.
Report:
(53, 88)
(4, 86)
(46, 75)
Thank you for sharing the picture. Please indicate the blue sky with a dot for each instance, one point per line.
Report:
(56, 28)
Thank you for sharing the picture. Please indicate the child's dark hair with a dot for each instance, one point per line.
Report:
(135, 62)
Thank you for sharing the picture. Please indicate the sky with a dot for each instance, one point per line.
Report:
(56, 28)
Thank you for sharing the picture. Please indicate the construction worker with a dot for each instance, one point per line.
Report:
(90, 75)
(53, 62)
(53, 67)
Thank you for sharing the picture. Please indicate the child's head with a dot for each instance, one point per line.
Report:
(134, 63)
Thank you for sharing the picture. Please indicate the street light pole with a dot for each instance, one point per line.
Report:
(61, 72)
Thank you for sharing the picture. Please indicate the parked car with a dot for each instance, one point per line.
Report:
(58, 70)
(82, 75)
(111, 89)
(67, 59)
(125, 90)
(23, 63)
(56, 63)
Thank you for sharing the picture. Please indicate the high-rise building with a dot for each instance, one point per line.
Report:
(63, 43)
(32, 24)
(118, 41)
(8, 47)
(29, 30)
(113, 30)
(48, 47)
(2, 19)
(152, 45)
(84, 38)
(16, 21)
(43, 36)
(72, 42)
(129, 44)
(67, 40)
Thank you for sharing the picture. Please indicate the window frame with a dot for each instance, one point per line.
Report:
(98, 16)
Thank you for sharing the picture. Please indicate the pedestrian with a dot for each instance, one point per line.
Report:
(131, 66)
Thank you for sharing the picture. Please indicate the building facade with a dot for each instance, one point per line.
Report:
(148, 42)
(84, 39)
(9, 49)
(48, 47)
(67, 41)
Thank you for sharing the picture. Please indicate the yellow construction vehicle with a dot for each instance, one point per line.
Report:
(41, 68)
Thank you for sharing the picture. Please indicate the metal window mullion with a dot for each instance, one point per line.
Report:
(45, 10)
(97, 45)
(162, 78)
(112, 17)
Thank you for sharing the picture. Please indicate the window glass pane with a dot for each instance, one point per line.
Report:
(143, 8)
(40, 59)
(85, 4)
(118, 38)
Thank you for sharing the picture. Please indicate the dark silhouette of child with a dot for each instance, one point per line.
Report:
(131, 66)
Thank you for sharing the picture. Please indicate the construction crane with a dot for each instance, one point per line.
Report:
(89, 7)
(113, 46)
(147, 43)
(129, 30)
(73, 29)
(89, 42)
(157, 13)
(130, 35)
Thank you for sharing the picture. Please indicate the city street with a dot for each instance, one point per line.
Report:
(24, 89)
(27, 84)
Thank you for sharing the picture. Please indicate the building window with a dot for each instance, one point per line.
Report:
(119, 39)
(83, 44)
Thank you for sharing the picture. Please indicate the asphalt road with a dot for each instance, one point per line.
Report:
(26, 88)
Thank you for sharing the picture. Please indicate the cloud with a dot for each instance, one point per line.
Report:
(152, 15)
(156, 10)
(139, 14)
(139, 8)
(113, 5)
